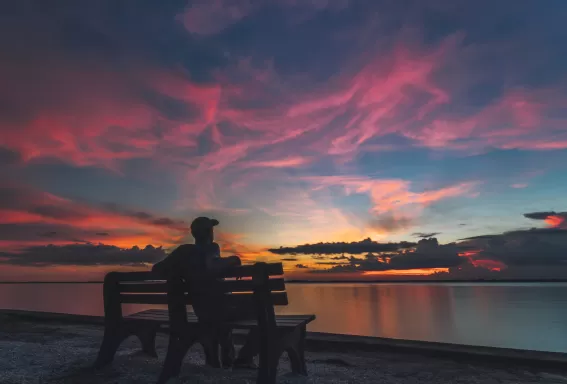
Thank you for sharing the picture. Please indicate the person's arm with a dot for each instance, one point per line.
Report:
(215, 262)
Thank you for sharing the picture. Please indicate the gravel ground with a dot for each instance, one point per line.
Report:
(38, 353)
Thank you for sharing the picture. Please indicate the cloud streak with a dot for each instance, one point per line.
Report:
(28, 215)
(83, 255)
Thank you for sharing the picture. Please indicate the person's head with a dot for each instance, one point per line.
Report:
(202, 229)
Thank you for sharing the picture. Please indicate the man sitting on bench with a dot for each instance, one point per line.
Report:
(196, 264)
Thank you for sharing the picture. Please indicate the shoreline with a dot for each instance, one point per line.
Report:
(51, 348)
(330, 342)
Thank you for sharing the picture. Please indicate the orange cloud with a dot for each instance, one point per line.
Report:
(555, 221)
(406, 272)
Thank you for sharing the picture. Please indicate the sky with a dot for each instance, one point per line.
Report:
(349, 139)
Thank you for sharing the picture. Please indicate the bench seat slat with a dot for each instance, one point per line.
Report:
(162, 316)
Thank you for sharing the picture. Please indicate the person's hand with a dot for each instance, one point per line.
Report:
(235, 262)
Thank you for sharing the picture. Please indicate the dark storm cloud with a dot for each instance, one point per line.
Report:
(425, 235)
(359, 247)
(534, 247)
(480, 237)
(427, 254)
(539, 215)
(82, 255)
(289, 259)
(553, 219)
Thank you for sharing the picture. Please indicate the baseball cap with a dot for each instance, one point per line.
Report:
(201, 223)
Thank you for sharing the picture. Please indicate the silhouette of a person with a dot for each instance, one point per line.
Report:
(197, 264)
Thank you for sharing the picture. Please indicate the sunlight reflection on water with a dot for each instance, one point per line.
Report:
(515, 315)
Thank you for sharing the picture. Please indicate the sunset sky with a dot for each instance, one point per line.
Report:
(292, 122)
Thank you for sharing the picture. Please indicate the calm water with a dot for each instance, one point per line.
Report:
(523, 315)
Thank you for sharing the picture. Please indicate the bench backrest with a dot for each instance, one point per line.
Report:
(258, 280)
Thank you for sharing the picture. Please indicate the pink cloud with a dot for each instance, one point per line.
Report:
(390, 194)
(81, 115)
(521, 119)
(286, 162)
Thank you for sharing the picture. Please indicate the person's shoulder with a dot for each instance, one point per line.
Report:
(185, 248)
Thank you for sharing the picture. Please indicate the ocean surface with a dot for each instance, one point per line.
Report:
(512, 315)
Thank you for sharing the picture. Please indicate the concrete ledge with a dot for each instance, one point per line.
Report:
(318, 341)
(493, 355)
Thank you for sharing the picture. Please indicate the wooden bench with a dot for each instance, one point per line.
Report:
(259, 291)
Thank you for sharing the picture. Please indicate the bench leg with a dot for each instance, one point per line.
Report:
(211, 349)
(113, 337)
(268, 370)
(176, 350)
(296, 351)
(251, 346)
(147, 335)
(210, 345)
(292, 342)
